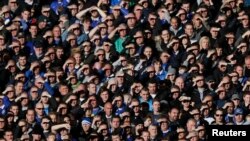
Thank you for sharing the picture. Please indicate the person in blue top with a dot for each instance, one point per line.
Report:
(96, 15)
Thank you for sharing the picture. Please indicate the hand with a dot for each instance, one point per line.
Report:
(67, 126)
(189, 57)
(101, 128)
(33, 65)
(75, 25)
(210, 52)
(247, 33)
(133, 86)
(229, 57)
(46, 58)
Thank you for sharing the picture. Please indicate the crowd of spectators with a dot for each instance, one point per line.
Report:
(131, 70)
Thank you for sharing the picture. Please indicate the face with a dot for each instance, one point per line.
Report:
(152, 130)
(108, 109)
(173, 114)
(64, 90)
(174, 23)
(15, 110)
(2, 123)
(156, 106)
(45, 124)
(189, 30)
(39, 109)
(148, 52)
(115, 123)
(22, 61)
(144, 95)
(30, 116)
(205, 44)
(26, 15)
(56, 32)
(180, 83)
(145, 136)
(8, 136)
(33, 30)
(152, 20)
(218, 116)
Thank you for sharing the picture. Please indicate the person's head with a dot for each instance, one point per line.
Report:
(25, 14)
(115, 137)
(86, 124)
(244, 20)
(191, 124)
(53, 116)
(115, 122)
(238, 115)
(219, 116)
(222, 65)
(108, 109)
(144, 94)
(116, 10)
(56, 31)
(179, 81)
(46, 123)
(152, 19)
(163, 124)
(131, 20)
(24, 100)
(30, 116)
(51, 137)
(14, 108)
(145, 135)
(63, 108)
(45, 10)
(156, 105)
(199, 80)
(8, 135)
(152, 86)
(152, 129)
(139, 38)
(63, 89)
(2, 122)
(204, 43)
(229, 107)
(173, 114)
(73, 8)
(175, 22)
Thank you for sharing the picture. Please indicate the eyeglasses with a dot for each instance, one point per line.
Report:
(152, 19)
(186, 101)
(40, 108)
(100, 54)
